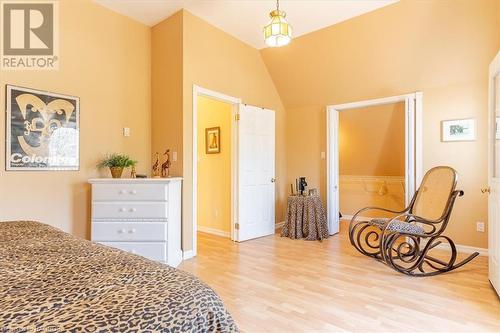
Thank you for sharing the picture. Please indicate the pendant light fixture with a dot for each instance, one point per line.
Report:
(277, 32)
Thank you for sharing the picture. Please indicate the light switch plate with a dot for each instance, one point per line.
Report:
(480, 226)
(126, 131)
(174, 156)
(323, 155)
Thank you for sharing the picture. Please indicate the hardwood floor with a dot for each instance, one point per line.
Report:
(275, 284)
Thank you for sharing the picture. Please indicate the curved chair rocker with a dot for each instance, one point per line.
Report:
(405, 241)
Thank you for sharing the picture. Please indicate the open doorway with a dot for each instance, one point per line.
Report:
(372, 158)
(214, 166)
(251, 146)
(412, 109)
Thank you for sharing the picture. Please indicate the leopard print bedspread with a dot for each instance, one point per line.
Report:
(51, 281)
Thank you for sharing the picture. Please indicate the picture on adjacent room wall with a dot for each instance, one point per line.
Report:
(42, 130)
(458, 130)
(212, 140)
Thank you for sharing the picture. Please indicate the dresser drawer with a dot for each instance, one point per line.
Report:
(127, 231)
(153, 251)
(129, 210)
(129, 192)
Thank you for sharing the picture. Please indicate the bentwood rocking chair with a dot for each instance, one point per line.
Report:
(405, 242)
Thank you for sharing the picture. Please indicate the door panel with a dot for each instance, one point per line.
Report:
(494, 175)
(410, 149)
(256, 193)
(333, 172)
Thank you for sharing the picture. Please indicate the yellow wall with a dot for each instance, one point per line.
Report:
(214, 170)
(372, 141)
(387, 192)
(105, 60)
(166, 88)
(217, 61)
(440, 47)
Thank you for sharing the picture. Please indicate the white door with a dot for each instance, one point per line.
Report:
(411, 123)
(494, 175)
(256, 181)
(332, 207)
(409, 148)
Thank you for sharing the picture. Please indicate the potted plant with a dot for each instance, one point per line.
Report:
(116, 163)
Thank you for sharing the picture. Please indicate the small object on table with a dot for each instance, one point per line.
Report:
(165, 167)
(305, 218)
(302, 185)
(313, 191)
(156, 167)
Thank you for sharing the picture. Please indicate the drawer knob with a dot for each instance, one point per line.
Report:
(122, 209)
(122, 192)
(121, 231)
(133, 192)
(131, 231)
(132, 210)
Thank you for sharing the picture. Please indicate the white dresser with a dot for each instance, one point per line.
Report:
(140, 216)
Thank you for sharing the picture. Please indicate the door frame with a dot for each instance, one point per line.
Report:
(235, 103)
(414, 168)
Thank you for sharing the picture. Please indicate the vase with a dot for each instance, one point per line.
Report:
(116, 172)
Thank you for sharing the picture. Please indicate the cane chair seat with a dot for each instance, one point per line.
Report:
(399, 226)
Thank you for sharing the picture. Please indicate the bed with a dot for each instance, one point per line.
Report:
(51, 281)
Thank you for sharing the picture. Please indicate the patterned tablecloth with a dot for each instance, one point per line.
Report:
(305, 218)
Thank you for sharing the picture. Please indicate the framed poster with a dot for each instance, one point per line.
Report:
(42, 130)
(458, 130)
(212, 140)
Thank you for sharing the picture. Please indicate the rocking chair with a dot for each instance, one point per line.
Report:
(404, 242)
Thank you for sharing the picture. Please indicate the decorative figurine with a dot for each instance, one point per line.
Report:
(302, 185)
(156, 167)
(166, 165)
(133, 173)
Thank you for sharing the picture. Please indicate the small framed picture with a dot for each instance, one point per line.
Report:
(458, 130)
(212, 140)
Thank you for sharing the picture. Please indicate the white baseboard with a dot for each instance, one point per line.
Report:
(214, 231)
(464, 249)
(187, 254)
(279, 225)
(348, 218)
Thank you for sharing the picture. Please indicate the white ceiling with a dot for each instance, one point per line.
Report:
(244, 19)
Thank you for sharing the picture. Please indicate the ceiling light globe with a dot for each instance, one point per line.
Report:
(278, 32)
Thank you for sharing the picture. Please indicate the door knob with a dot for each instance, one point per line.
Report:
(273, 180)
(486, 190)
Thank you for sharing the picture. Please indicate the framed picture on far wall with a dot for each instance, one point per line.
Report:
(42, 130)
(212, 140)
(458, 130)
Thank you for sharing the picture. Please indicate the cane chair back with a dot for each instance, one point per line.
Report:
(434, 194)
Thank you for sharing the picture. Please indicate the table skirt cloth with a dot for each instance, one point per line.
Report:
(305, 218)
